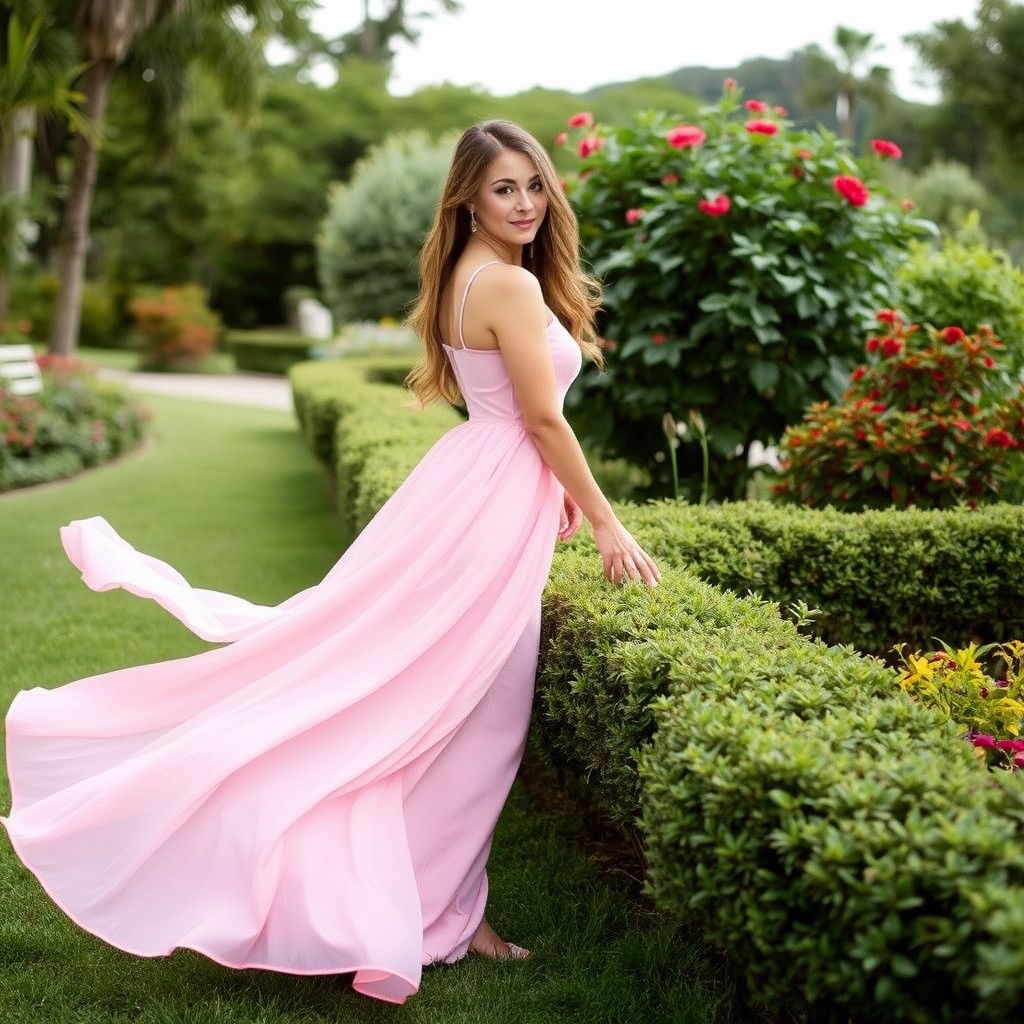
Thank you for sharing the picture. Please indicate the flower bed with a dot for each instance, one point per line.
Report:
(76, 421)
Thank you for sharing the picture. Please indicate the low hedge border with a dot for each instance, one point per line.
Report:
(842, 842)
(268, 352)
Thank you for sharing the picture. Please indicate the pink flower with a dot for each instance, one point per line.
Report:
(907, 204)
(632, 216)
(883, 147)
(685, 135)
(756, 107)
(758, 127)
(590, 144)
(717, 207)
(581, 120)
(852, 189)
(560, 138)
(983, 740)
(729, 84)
(953, 335)
(804, 154)
(1015, 745)
(962, 424)
(780, 110)
(658, 339)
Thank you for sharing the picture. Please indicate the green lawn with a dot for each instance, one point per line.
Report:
(232, 498)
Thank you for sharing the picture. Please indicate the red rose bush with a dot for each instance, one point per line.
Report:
(754, 253)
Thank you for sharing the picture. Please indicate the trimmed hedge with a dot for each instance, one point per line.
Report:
(268, 352)
(879, 577)
(840, 841)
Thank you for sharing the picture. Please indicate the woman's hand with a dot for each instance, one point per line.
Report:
(572, 518)
(623, 557)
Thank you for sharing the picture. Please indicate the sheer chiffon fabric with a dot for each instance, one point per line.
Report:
(319, 794)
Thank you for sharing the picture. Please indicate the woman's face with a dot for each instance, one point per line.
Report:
(511, 203)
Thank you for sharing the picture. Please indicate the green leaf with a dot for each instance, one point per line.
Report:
(827, 295)
(790, 283)
(715, 302)
(806, 307)
(763, 375)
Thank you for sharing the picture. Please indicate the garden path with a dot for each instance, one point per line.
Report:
(259, 390)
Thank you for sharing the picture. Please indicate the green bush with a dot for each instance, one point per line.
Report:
(741, 258)
(877, 577)
(267, 351)
(33, 299)
(927, 422)
(966, 285)
(370, 238)
(947, 193)
(841, 842)
(75, 422)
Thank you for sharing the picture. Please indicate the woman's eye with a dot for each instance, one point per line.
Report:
(537, 186)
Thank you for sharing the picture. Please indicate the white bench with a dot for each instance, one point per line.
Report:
(19, 372)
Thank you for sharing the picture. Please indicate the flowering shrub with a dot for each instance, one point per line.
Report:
(989, 706)
(755, 251)
(74, 422)
(925, 422)
(178, 328)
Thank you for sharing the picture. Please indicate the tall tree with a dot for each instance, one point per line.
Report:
(844, 77)
(981, 69)
(36, 74)
(226, 34)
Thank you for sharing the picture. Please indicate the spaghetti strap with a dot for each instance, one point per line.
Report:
(465, 295)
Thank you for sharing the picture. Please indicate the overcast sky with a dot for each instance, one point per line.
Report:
(506, 46)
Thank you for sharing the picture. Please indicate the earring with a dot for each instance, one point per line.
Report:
(472, 221)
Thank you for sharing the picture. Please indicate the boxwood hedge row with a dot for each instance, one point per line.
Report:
(840, 841)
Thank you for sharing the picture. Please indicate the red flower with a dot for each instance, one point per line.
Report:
(781, 111)
(759, 127)
(717, 207)
(670, 179)
(852, 189)
(562, 183)
(797, 172)
(891, 346)
(795, 441)
(658, 339)
(590, 144)
(685, 135)
(560, 138)
(878, 407)
(729, 84)
(999, 438)
(861, 435)
(632, 216)
(883, 147)
(857, 374)
(953, 335)
(756, 107)
(887, 316)
(989, 362)
(872, 345)
(804, 154)
(962, 424)
(581, 120)
(907, 204)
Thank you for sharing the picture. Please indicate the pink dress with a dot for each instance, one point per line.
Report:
(318, 795)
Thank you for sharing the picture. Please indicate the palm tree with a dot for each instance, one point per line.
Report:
(842, 77)
(225, 35)
(36, 74)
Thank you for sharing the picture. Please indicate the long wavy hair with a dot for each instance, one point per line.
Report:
(554, 256)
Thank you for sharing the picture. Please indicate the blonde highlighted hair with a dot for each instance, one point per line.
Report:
(554, 257)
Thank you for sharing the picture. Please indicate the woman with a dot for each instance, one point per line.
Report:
(319, 795)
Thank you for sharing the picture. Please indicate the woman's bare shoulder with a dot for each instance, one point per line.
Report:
(507, 283)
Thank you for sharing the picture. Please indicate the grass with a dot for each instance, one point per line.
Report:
(231, 497)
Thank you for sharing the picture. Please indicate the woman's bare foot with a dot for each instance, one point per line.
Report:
(487, 942)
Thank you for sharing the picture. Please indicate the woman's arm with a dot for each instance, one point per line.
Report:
(517, 316)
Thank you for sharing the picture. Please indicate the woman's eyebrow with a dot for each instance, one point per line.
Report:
(512, 181)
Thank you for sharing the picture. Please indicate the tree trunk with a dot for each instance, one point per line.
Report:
(75, 235)
(15, 175)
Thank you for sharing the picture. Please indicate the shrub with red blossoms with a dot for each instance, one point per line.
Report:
(852, 189)
(757, 280)
(581, 120)
(926, 422)
(883, 147)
